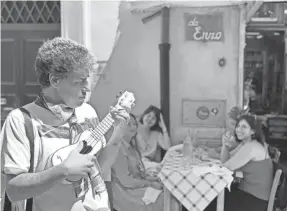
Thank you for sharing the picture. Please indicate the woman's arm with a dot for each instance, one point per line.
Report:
(112, 148)
(213, 153)
(234, 150)
(226, 152)
(164, 140)
(151, 178)
(240, 158)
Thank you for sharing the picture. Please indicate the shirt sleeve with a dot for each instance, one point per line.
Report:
(15, 145)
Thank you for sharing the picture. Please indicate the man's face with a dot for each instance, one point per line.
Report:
(74, 89)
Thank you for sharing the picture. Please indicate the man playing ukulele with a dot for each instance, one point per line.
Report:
(64, 70)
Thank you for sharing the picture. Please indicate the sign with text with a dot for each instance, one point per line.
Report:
(204, 27)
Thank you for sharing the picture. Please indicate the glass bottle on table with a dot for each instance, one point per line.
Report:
(186, 151)
(194, 145)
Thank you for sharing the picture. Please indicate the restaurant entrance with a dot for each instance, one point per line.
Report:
(264, 71)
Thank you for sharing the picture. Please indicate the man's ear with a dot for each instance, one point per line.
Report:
(54, 81)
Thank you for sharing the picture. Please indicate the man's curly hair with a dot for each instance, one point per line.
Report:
(60, 56)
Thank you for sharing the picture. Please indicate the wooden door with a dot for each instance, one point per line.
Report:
(19, 85)
(24, 27)
(19, 49)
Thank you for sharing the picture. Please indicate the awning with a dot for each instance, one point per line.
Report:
(143, 6)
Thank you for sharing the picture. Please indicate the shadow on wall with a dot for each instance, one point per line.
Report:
(133, 65)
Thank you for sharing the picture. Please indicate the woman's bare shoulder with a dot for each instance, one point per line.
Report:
(259, 150)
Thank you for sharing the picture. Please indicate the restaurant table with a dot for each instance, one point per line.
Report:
(182, 186)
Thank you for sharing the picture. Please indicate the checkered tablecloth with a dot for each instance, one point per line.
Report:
(191, 190)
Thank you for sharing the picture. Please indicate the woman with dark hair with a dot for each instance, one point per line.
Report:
(152, 136)
(129, 178)
(252, 158)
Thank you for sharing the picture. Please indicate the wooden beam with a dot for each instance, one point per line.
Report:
(251, 8)
(150, 17)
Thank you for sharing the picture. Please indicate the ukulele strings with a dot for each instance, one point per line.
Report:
(95, 136)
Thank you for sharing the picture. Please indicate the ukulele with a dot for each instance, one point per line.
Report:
(92, 139)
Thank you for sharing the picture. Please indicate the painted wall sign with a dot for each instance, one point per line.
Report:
(206, 113)
(202, 113)
(204, 27)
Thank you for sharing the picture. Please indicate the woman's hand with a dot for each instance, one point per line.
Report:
(213, 154)
(228, 140)
(176, 148)
(156, 185)
(151, 178)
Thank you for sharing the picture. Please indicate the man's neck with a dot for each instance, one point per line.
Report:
(51, 96)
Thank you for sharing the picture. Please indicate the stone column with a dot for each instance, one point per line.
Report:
(93, 24)
(73, 20)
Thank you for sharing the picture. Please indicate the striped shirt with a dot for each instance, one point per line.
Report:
(50, 135)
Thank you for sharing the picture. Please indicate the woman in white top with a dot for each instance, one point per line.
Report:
(152, 136)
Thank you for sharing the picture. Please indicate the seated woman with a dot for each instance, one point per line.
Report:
(129, 179)
(233, 115)
(252, 158)
(152, 136)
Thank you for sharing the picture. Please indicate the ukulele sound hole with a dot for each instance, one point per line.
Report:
(86, 148)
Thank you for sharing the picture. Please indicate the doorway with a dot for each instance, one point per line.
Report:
(264, 71)
(25, 25)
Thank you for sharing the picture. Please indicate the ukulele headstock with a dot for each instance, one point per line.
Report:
(126, 100)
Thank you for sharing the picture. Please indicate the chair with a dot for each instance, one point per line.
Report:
(275, 185)
(274, 153)
(276, 133)
(275, 156)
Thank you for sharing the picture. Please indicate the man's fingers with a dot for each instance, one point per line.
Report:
(116, 110)
(86, 170)
(90, 164)
(86, 175)
(90, 157)
(94, 159)
(113, 109)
